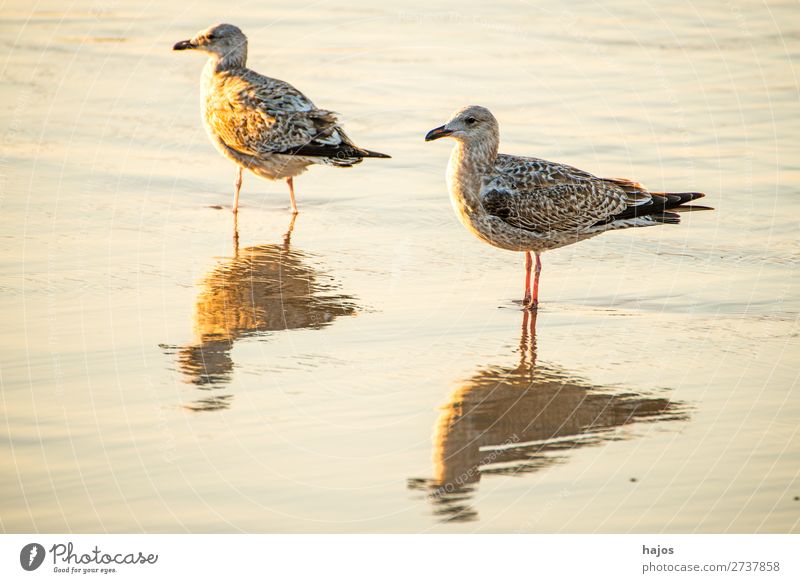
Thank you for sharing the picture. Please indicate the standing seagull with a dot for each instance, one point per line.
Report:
(532, 205)
(264, 125)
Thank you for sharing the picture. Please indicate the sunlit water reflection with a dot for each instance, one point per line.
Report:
(513, 420)
(261, 289)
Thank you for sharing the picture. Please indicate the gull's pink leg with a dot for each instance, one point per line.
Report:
(528, 263)
(238, 185)
(534, 304)
(290, 182)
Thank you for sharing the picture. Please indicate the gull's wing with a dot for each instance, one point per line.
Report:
(542, 196)
(257, 116)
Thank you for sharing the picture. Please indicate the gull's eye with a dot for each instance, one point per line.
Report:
(210, 36)
(470, 121)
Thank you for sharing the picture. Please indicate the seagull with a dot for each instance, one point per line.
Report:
(264, 125)
(532, 205)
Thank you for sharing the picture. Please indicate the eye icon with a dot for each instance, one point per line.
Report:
(31, 556)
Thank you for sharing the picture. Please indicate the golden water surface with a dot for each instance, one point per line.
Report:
(366, 367)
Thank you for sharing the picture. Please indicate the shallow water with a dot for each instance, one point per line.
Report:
(367, 368)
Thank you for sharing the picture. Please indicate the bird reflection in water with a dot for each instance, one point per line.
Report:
(260, 289)
(514, 420)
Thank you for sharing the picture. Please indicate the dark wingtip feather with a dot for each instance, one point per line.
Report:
(658, 205)
(371, 154)
(692, 207)
(678, 198)
(675, 202)
(689, 196)
(666, 218)
(339, 155)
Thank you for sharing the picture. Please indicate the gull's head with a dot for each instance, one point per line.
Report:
(468, 124)
(222, 40)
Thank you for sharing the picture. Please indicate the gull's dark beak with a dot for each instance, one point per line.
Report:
(184, 45)
(437, 133)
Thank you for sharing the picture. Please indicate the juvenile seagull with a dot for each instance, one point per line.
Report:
(264, 125)
(532, 205)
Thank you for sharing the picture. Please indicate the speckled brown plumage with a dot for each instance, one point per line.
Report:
(533, 205)
(264, 125)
